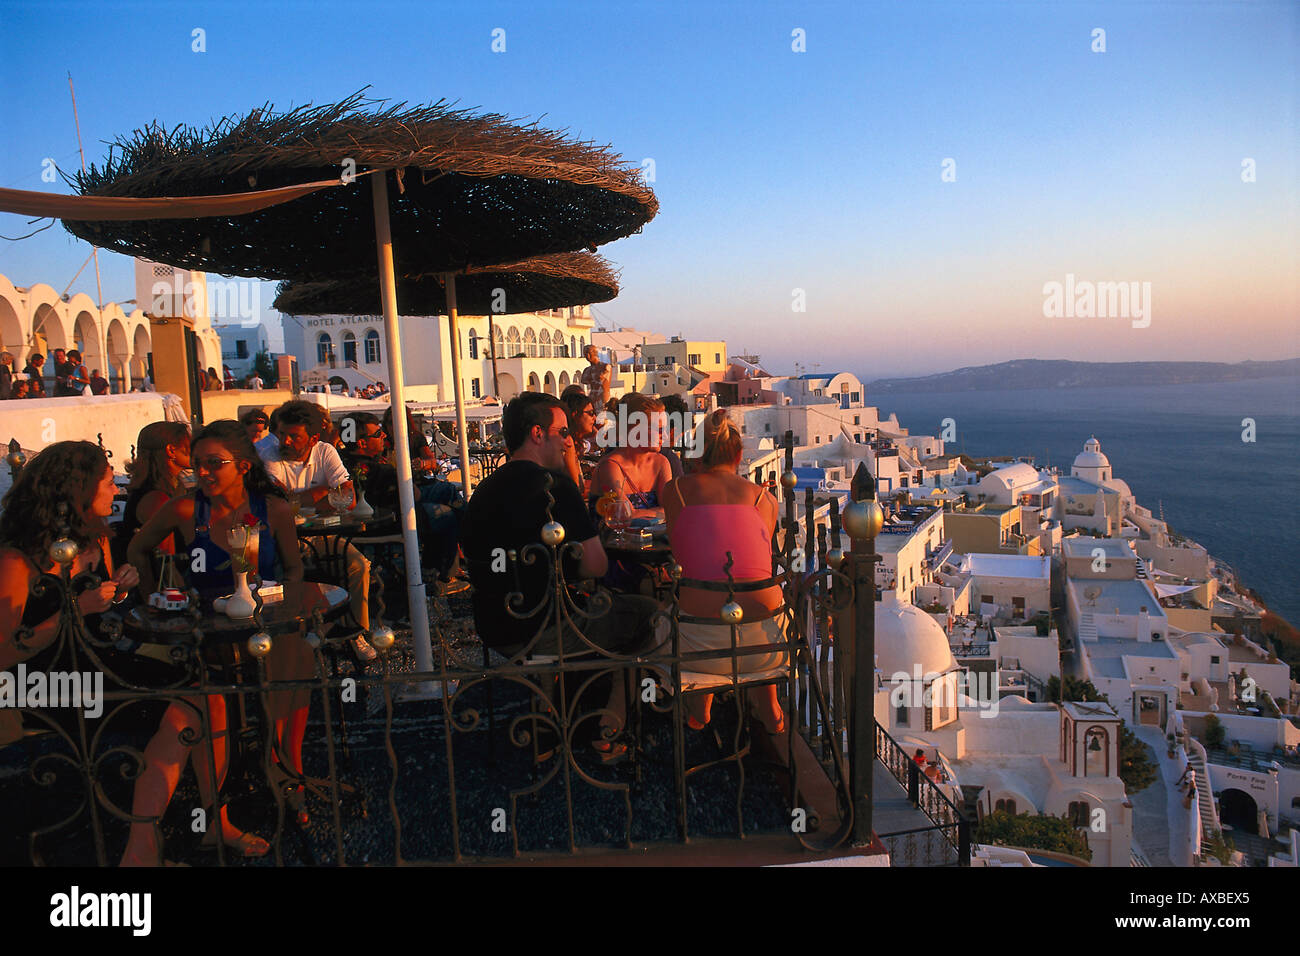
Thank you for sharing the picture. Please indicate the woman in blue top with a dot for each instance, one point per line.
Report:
(233, 489)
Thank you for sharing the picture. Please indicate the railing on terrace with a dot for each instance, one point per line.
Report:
(471, 760)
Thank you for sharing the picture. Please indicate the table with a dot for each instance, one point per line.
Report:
(326, 544)
(152, 626)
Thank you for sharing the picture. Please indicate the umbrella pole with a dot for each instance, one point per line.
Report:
(454, 332)
(419, 608)
(492, 344)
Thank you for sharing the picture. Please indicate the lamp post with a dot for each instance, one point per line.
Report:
(863, 520)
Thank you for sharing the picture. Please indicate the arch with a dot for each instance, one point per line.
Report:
(548, 384)
(473, 343)
(508, 386)
(564, 381)
(86, 334)
(544, 344)
(573, 347)
(325, 350)
(582, 344)
(12, 337)
(512, 343)
(141, 346)
(533, 384)
(530, 343)
(349, 348)
(1096, 752)
(119, 355)
(1238, 810)
(374, 356)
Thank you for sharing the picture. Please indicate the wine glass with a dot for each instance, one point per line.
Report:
(620, 516)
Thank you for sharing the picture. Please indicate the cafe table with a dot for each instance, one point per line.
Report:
(325, 538)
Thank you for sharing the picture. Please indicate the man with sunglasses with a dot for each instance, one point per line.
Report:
(506, 513)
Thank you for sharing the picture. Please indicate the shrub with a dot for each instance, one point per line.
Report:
(1214, 732)
(1033, 831)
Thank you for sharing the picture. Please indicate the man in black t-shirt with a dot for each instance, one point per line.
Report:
(507, 512)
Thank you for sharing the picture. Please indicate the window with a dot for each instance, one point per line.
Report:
(530, 343)
(1017, 607)
(241, 348)
(986, 598)
(857, 419)
(855, 397)
(717, 358)
(669, 359)
(349, 348)
(1214, 659)
(693, 358)
(1009, 805)
(900, 715)
(817, 439)
(372, 348)
(475, 387)
(573, 346)
(473, 344)
(513, 347)
(325, 350)
(544, 344)
(767, 427)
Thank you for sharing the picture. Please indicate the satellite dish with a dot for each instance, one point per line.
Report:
(1092, 592)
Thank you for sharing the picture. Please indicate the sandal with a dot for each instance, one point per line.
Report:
(296, 800)
(610, 751)
(249, 845)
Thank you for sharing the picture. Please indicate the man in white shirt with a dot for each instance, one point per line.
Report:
(255, 382)
(307, 468)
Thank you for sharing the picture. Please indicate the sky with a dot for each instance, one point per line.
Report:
(883, 188)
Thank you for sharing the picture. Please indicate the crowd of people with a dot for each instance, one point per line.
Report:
(72, 378)
(187, 493)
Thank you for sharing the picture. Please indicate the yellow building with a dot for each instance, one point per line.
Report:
(705, 356)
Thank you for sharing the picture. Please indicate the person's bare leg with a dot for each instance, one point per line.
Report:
(699, 708)
(766, 706)
(164, 758)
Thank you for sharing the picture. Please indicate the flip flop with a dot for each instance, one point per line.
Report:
(249, 845)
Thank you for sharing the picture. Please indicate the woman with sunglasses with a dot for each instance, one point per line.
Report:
(232, 488)
(582, 429)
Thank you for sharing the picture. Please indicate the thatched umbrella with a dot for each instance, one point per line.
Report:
(472, 190)
(544, 282)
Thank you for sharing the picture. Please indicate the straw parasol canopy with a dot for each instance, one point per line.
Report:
(543, 282)
(472, 190)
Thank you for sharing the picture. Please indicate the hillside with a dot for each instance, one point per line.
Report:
(1048, 373)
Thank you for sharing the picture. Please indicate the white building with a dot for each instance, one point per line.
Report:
(240, 345)
(539, 352)
(1009, 585)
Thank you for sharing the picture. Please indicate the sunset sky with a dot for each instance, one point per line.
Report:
(779, 170)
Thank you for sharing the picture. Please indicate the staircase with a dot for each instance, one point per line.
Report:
(1204, 798)
(1087, 627)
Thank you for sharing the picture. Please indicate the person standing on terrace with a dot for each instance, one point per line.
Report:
(6, 375)
(98, 384)
(596, 376)
(34, 370)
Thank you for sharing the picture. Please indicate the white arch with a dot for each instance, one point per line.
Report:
(141, 346)
(512, 343)
(549, 384)
(13, 331)
(530, 343)
(508, 386)
(544, 344)
(564, 381)
(46, 322)
(118, 349)
(533, 384)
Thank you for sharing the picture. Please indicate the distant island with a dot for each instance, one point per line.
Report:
(1052, 373)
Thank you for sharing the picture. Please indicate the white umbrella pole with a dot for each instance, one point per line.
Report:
(401, 439)
(454, 332)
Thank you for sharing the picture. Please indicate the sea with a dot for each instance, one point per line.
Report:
(1221, 459)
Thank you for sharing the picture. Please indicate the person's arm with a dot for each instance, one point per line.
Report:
(594, 561)
(279, 518)
(332, 472)
(15, 583)
(158, 528)
(671, 499)
(605, 478)
(572, 467)
(605, 378)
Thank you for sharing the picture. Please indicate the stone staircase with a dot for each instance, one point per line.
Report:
(1204, 798)
(1087, 627)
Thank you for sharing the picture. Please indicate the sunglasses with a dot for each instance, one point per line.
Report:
(378, 434)
(563, 431)
(212, 464)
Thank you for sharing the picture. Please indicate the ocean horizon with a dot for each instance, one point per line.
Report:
(1179, 447)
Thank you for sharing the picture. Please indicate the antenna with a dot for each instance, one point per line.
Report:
(94, 250)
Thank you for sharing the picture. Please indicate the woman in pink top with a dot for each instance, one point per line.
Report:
(711, 512)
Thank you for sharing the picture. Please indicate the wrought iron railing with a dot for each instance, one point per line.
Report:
(402, 765)
(949, 828)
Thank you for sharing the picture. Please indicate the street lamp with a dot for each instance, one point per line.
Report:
(863, 520)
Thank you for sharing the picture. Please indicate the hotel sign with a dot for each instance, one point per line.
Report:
(1253, 782)
(330, 321)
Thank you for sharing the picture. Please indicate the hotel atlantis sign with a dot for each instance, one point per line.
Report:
(330, 321)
